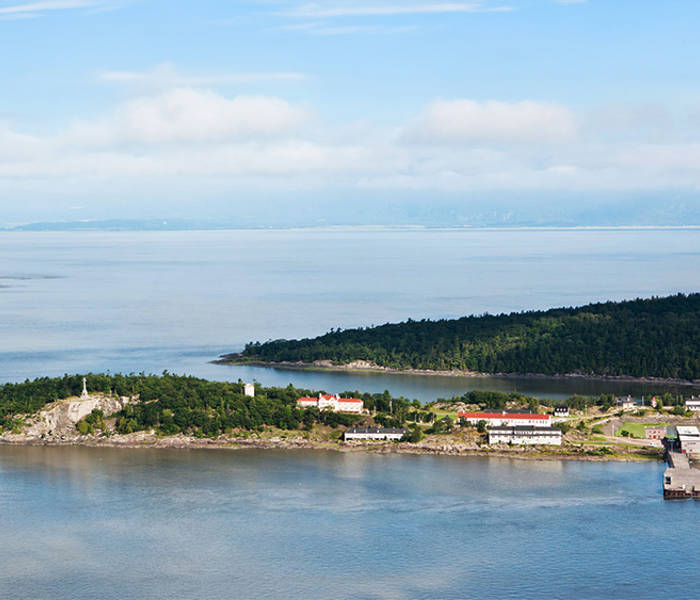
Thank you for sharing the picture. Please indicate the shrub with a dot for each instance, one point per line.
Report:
(83, 427)
(414, 436)
(563, 426)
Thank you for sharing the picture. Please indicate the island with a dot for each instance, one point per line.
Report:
(167, 410)
(647, 339)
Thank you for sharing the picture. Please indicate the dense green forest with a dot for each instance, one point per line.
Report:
(172, 404)
(657, 337)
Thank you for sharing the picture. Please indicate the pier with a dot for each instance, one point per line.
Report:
(681, 481)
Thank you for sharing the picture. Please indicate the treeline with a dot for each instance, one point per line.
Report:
(488, 400)
(173, 404)
(657, 337)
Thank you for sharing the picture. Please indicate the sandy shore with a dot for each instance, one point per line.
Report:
(445, 447)
(365, 366)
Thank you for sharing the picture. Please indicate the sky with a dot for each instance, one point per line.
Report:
(350, 112)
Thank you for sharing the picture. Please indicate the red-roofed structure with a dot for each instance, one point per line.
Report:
(505, 419)
(332, 402)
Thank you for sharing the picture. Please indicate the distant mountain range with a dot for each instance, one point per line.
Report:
(572, 210)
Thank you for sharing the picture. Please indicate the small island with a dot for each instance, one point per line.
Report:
(655, 339)
(155, 411)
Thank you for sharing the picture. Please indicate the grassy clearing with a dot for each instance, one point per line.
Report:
(636, 430)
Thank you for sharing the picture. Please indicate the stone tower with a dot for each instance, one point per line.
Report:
(84, 393)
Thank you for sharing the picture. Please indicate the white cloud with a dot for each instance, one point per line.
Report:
(203, 138)
(465, 121)
(166, 76)
(321, 11)
(39, 8)
(321, 28)
(191, 116)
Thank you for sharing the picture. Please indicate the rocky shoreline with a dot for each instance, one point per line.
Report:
(369, 367)
(442, 447)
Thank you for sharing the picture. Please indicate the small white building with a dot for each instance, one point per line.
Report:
(625, 403)
(505, 419)
(332, 403)
(375, 433)
(525, 435)
(561, 411)
(249, 390)
(692, 404)
(689, 439)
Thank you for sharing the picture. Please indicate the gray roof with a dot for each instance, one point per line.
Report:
(378, 430)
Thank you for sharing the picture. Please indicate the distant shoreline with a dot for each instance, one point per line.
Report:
(175, 225)
(366, 367)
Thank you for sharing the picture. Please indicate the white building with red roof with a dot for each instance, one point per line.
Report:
(506, 419)
(332, 402)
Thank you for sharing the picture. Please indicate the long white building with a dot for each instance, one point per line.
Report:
(375, 433)
(525, 435)
(332, 403)
(505, 419)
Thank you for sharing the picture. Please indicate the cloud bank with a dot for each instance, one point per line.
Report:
(265, 142)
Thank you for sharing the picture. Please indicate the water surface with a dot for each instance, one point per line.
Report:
(149, 301)
(88, 523)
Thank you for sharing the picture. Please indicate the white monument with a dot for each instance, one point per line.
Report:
(84, 394)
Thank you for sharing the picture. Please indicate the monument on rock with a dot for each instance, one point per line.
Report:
(84, 393)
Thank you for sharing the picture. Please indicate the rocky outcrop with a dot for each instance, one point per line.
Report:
(58, 418)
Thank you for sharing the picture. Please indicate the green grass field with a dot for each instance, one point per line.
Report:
(636, 430)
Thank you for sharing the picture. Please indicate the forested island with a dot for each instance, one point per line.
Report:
(655, 337)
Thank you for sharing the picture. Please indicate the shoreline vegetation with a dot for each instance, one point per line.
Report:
(173, 411)
(643, 340)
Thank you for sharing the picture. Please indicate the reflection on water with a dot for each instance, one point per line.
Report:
(116, 523)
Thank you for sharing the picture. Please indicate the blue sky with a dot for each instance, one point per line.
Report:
(145, 108)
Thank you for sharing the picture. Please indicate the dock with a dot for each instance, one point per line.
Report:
(681, 481)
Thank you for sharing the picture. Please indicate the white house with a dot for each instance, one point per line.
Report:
(505, 419)
(375, 433)
(625, 403)
(249, 390)
(525, 435)
(692, 404)
(332, 403)
(561, 411)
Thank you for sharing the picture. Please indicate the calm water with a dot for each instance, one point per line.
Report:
(74, 302)
(86, 523)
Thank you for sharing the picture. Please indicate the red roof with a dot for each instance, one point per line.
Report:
(498, 415)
